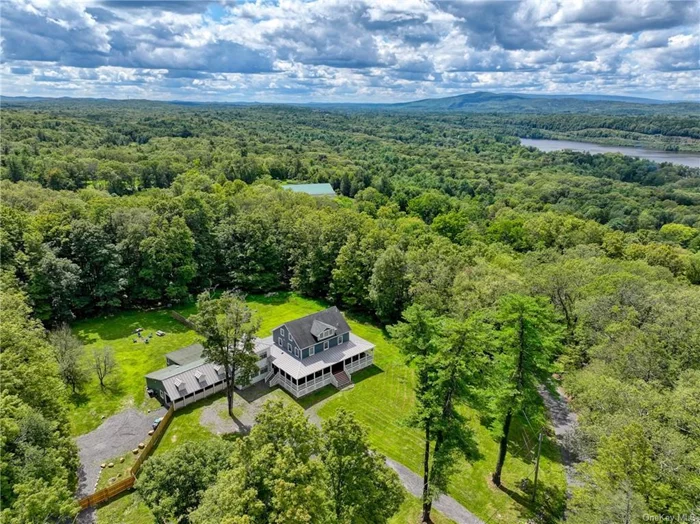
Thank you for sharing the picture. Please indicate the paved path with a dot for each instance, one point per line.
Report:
(564, 421)
(116, 436)
(447, 505)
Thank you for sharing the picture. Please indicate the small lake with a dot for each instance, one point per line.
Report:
(675, 157)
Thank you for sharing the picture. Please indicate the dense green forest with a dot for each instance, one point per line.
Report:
(444, 218)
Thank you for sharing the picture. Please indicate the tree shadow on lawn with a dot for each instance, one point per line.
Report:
(366, 373)
(329, 390)
(522, 443)
(279, 298)
(548, 507)
(112, 389)
(124, 324)
(254, 392)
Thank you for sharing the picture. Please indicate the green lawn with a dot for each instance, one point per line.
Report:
(128, 508)
(382, 398)
(120, 471)
(127, 387)
(411, 510)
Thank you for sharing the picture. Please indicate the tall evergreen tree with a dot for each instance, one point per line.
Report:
(528, 337)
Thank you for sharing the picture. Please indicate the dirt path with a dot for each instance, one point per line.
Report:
(445, 504)
(116, 436)
(564, 422)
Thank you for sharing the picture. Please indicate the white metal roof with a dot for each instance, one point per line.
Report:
(179, 381)
(302, 368)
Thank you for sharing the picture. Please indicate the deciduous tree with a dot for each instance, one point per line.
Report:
(362, 487)
(70, 357)
(104, 363)
(229, 328)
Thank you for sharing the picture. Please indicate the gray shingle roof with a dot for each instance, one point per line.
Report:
(318, 327)
(301, 328)
(186, 355)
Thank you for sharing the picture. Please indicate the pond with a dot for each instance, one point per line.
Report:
(675, 157)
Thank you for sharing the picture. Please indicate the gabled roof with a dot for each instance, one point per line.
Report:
(301, 328)
(179, 381)
(319, 327)
(186, 355)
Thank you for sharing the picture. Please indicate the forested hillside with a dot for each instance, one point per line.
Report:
(125, 205)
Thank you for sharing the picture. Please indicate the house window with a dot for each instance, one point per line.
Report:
(280, 342)
(312, 350)
(340, 339)
(282, 332)
(325, 345)
(263, 370)
(262, 355)
(296, 352)
(289, 347)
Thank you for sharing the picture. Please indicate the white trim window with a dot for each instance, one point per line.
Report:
(289, 347)
(296, 352)
(280, 342)
(325, 345)
(282, 332)
(312, 350)
(340, 339)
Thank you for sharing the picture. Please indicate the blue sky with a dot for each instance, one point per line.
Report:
(347, 50)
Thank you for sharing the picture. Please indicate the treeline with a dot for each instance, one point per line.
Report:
(682, 126)
(623, 301)
(125, 148)
(38, 456)
(451, 231)
(82, 253)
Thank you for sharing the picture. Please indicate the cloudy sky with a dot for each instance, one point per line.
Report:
(347, 50)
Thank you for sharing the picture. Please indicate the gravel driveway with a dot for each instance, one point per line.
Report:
(444, 503)
(117, 435)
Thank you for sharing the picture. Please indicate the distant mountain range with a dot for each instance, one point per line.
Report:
(487, 102)
(478, 102)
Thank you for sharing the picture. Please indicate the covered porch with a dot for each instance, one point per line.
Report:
(301, 377)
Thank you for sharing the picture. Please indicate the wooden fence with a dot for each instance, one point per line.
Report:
(126, 484)
(182, 320)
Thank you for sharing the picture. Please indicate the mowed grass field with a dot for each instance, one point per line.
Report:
(127, 386)
(382, 399)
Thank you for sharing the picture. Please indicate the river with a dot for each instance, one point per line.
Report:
(675, 157)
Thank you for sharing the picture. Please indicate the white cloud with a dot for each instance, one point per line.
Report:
(351, 50)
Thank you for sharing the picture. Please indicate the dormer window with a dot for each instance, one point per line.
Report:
(219, 370)
(180, 386)
(321, 330)
(201, 377)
